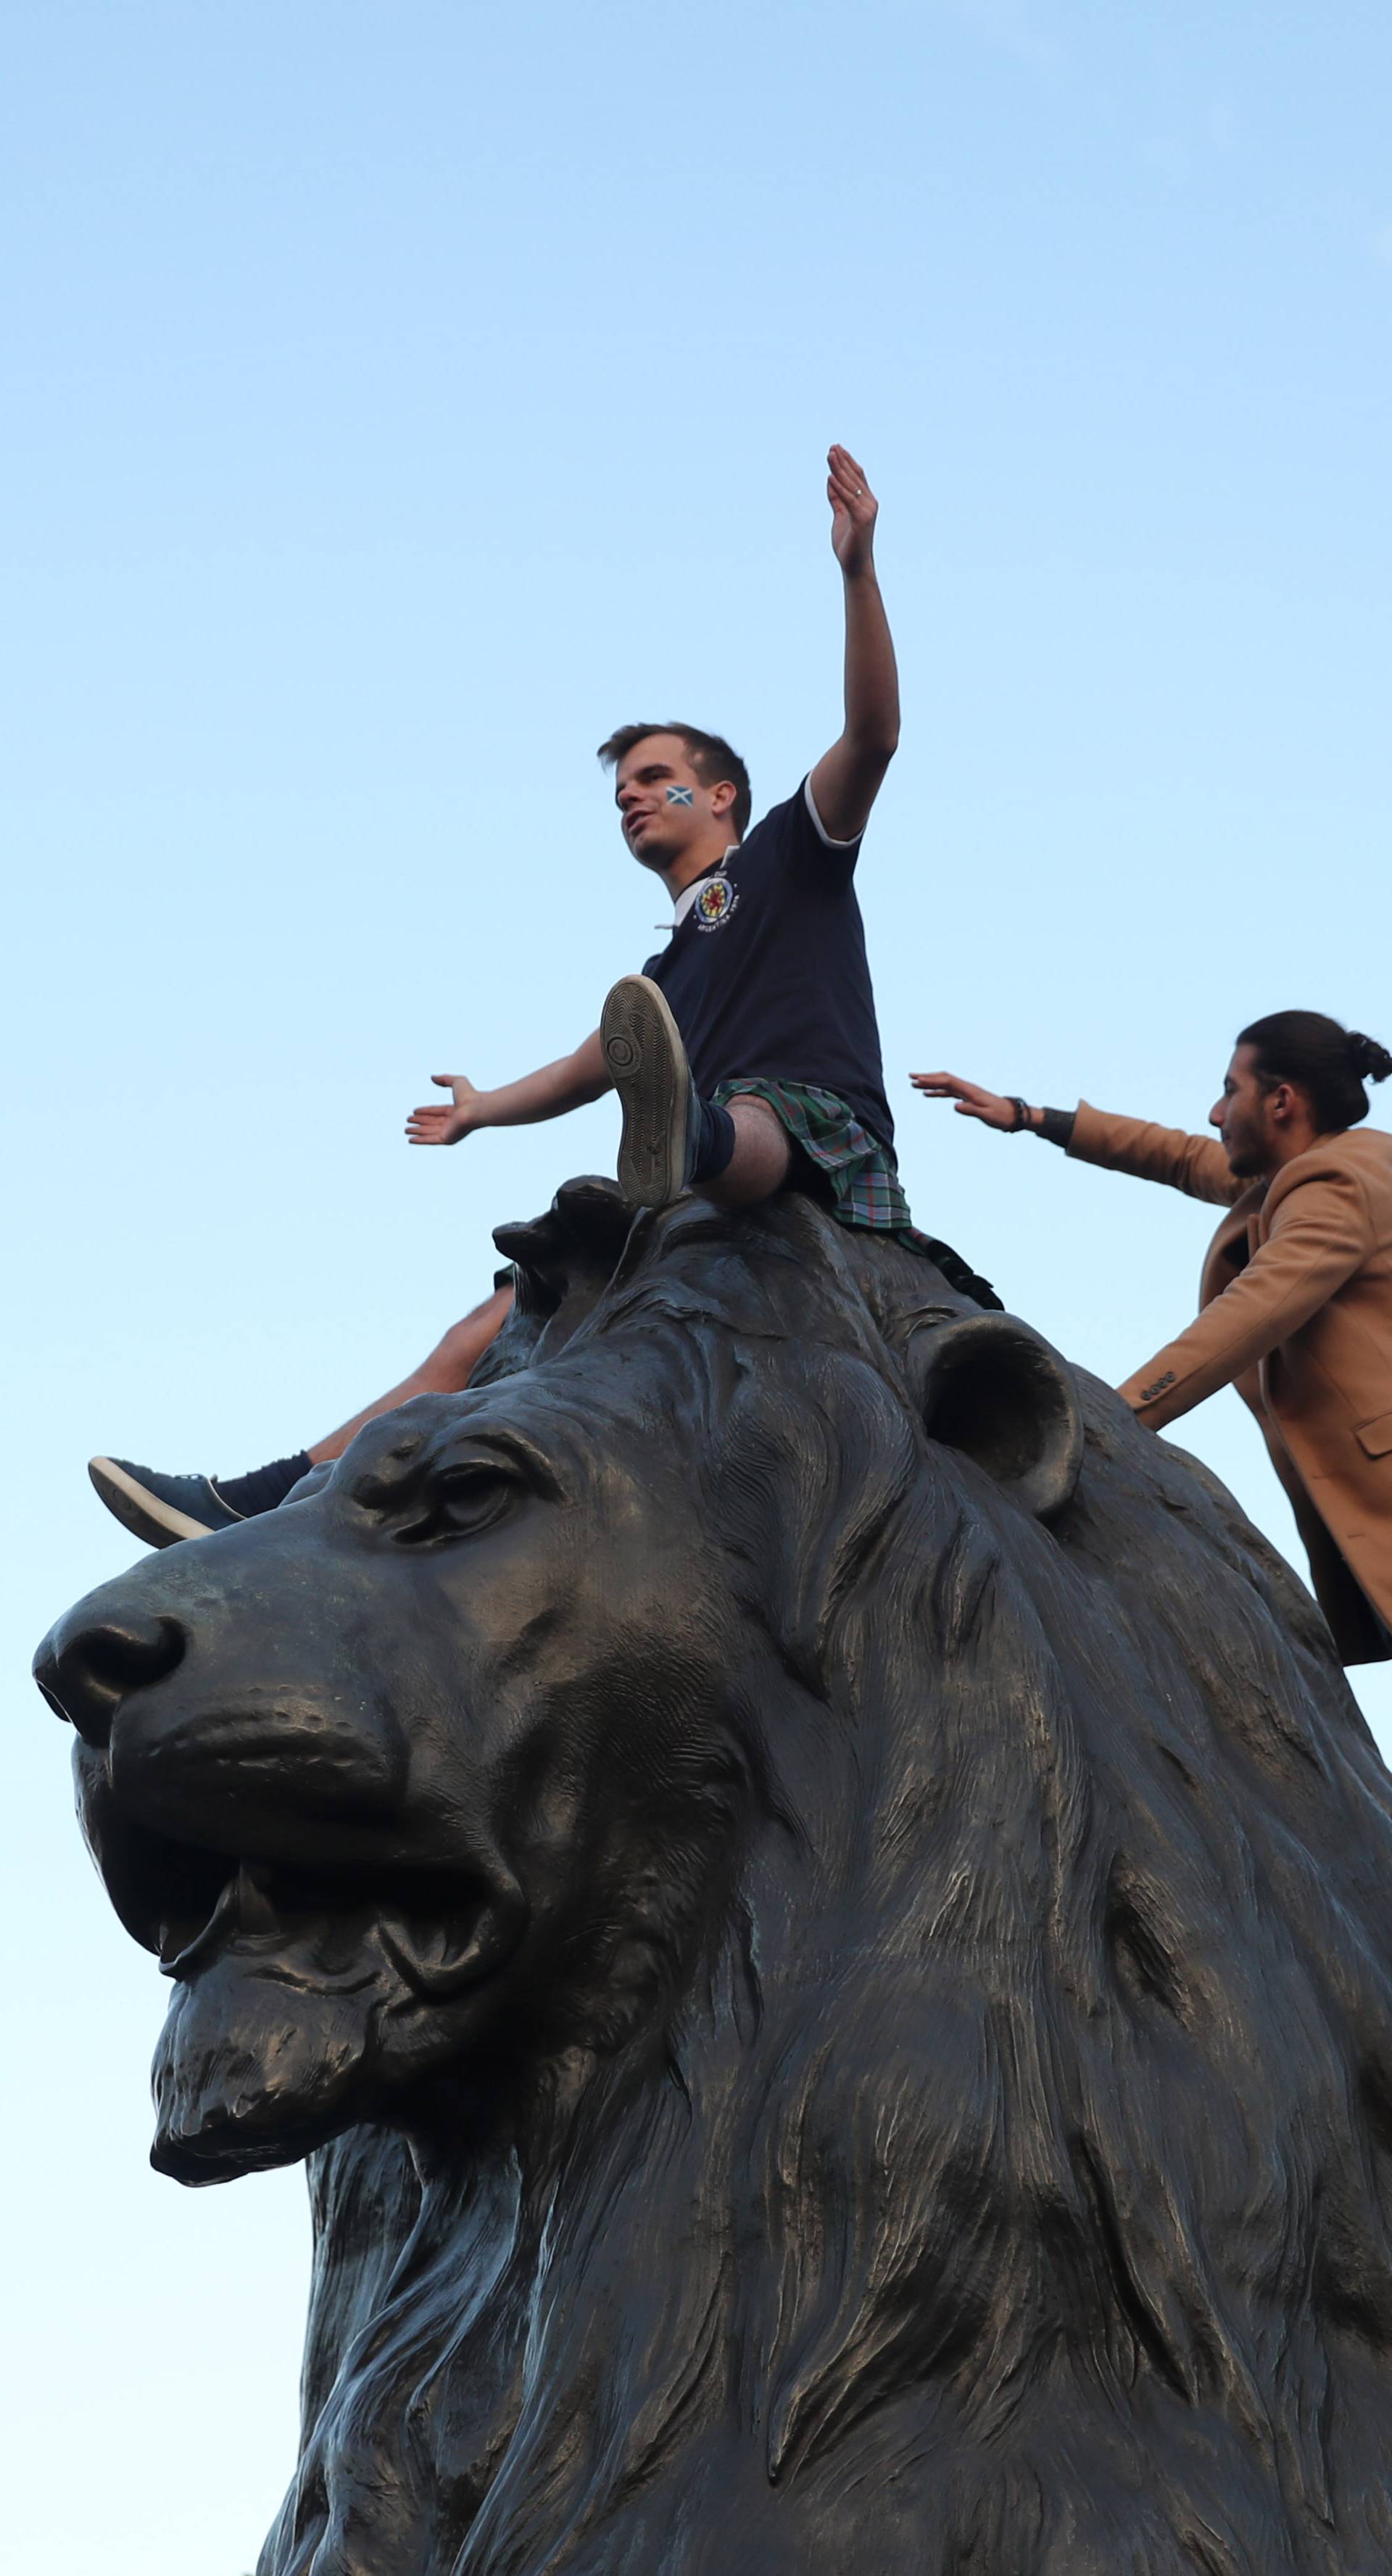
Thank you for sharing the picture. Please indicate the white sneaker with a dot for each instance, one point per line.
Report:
(647, 1065)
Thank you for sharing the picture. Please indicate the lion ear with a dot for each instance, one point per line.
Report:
(571, 1251)
(998, 1392)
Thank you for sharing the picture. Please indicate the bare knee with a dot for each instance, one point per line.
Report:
(761, 1159)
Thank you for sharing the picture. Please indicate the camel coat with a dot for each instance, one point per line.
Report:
(1295, 1310)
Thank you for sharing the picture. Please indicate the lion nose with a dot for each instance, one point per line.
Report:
(86, 1670)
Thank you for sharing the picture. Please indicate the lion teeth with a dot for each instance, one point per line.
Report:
(244, 1905)
(255, 1912)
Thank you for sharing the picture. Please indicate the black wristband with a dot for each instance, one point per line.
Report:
(1022, 1113)
(1056, 1126)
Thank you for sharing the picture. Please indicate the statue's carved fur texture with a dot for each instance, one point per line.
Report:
(934, 2112)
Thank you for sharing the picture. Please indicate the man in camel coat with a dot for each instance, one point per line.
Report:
(1295, 1302)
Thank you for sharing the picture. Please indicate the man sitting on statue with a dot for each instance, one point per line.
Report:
(746, 1055)
(1296, 1295)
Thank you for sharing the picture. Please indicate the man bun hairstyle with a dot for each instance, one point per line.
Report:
(711, 757)
(1371, 1062)
(1328, 1062)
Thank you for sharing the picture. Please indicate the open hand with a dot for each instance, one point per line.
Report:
(437, 1125)
(968, 1098)
(854, 510)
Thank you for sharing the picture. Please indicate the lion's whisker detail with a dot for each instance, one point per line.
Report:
(818, 1905)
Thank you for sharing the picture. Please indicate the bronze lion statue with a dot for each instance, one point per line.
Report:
(822, 1912)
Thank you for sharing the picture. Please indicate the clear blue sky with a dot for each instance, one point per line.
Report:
(397, 399)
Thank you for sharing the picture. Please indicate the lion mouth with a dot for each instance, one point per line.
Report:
(427, 1925)
(186, 1901)
(302, 2006)
(303, 2000)
(307, 1995)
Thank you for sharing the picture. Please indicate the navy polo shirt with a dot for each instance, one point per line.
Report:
(766, 972)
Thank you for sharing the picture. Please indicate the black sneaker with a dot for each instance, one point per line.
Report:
(160, 1509)
(648, 1068)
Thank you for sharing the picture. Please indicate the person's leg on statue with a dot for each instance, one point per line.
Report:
(447, 1371)
(162, 1509)
(760, 1161)
(734, 1153)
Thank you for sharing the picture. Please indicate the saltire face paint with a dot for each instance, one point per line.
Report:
(679, 795)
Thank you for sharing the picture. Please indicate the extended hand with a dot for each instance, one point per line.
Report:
(854, 510)
(436, 1125)
(971, 1101)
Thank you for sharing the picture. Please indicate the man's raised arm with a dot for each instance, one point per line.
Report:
(847, 778)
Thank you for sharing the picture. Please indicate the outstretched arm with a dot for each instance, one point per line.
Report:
(972, 1100)
(549, 1093)
(847, 778)
(1195, 1164)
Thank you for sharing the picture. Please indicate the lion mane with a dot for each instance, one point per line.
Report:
(997, 2182)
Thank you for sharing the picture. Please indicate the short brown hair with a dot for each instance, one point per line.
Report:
(711, 757)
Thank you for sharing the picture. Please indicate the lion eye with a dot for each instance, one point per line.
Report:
(459, 1503)
(471, 1497)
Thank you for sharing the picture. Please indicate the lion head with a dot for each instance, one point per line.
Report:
(833, 1969)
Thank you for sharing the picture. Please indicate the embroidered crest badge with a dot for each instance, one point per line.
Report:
(714, 904)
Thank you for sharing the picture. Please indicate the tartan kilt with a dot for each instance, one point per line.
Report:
(864, 1178)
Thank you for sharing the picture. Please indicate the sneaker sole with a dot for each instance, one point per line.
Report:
(646, 1062)
(140, 1511)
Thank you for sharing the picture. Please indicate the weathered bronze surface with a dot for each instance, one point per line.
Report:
(832, 1971)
